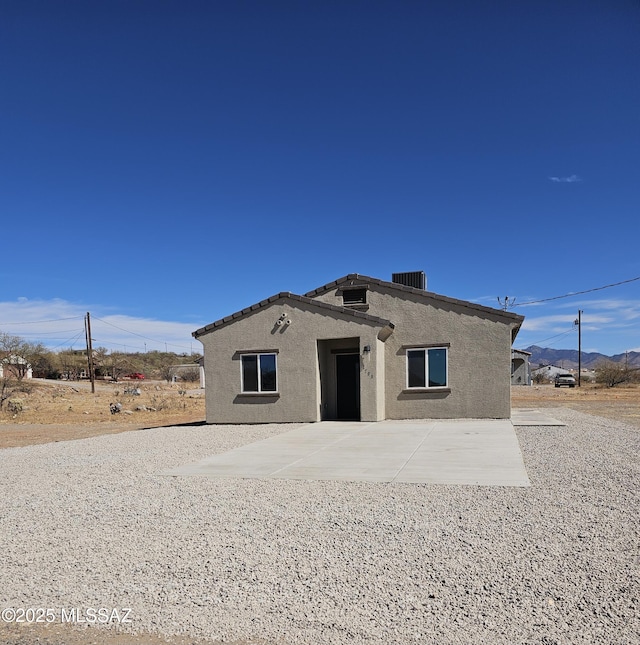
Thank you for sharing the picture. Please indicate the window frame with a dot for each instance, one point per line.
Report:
(258, 356)
(425, 349)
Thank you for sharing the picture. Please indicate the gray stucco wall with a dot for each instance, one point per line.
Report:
(298, 365)
(479, 353)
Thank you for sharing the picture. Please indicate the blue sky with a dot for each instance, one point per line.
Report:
(163, 164)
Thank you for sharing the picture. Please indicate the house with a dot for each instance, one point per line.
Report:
(549, 372)
(187, 372)
(359, 348)
(15, 367)
(520, 367)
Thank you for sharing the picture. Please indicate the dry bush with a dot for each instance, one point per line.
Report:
(614, 374)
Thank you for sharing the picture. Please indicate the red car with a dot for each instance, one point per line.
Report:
(136, 375)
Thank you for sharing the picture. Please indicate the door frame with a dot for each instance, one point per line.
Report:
(358, 392)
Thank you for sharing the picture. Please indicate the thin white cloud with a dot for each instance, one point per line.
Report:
(60, 324)
(624, 310)
(571, 179)
(610, 324)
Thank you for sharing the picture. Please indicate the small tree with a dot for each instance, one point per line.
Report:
(612, 374)
(45, 364)
(166, 368)
(7, 388)
(190, 374)
(18, 355)
(73, 364)
(540, 377)
(117, 364)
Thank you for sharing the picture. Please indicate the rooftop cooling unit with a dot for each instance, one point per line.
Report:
(415, 279)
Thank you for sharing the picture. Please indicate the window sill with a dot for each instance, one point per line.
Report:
(260, 394)
(426, 390)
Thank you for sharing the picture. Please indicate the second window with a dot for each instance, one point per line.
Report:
(427, 367)
(259, 373)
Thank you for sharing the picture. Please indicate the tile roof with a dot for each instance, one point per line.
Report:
(286, 295)
(364, 279)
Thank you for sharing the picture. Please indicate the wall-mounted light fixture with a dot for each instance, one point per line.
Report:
(283, 320)
(366, 349)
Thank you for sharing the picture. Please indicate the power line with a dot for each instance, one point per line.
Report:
(129, 346)
(47, 333)
(577, 293)
(564, 333)
(70, 340)
(133, 333)
(38, 322)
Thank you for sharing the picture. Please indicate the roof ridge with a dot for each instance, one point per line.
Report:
(420, 292)
(284, 295)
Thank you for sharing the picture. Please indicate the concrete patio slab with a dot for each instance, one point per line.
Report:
(531, 417)
(481, 452)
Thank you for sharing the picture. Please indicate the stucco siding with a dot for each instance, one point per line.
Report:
(479, 355)
(299, 397)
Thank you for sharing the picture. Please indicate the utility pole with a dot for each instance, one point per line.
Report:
(578, 322)
(90, 353)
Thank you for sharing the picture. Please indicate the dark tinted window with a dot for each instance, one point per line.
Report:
(415, 367)
(427, 367)
(267, 372)
(249, 373)
(437, 367)
(354, 296)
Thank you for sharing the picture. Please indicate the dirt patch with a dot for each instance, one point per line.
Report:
(47, 411)
(56, 634)
(620, 403)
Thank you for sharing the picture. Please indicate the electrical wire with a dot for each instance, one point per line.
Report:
(96, 343)
(46, 333)
(564, 333)
(37, 322)
(576, 293)
(133, 333)
(70, 340)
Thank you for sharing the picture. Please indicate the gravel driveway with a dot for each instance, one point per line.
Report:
(91, 524)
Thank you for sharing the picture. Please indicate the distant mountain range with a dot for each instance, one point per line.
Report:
(569, 358)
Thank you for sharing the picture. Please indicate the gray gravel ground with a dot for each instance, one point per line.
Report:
(89, 523)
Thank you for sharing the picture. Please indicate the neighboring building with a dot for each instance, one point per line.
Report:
(359, 348)
(190, 371)
(520, 367)
(15, 367)
(200, 362)
(549, 372)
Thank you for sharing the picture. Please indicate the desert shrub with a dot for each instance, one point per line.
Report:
(7, 387)
(15, 406)
(539, 378)
(190, 375)
(161, 402)
(613, 374)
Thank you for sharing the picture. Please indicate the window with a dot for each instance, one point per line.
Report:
(427, 367)
(354, 297)
(259, 373)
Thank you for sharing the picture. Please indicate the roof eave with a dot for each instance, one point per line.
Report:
(515, 318)
(286, 295)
